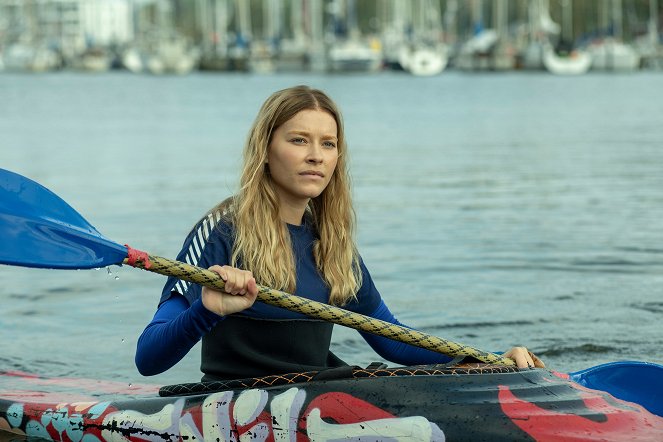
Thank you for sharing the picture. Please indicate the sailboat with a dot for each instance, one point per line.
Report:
(488, 48)
(25, 48)
(648, 46)
(572, 62)
(540, 26)
(214, 18)
(350, 51)
(423, 53)
(264, 46)
(171, 55)
(240, 47)
(93, 59)
(565, 59)
(293, 41)
(31, 57)
(612, 53)
(161, 50)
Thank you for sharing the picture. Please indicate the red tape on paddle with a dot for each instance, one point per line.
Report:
(134, 255)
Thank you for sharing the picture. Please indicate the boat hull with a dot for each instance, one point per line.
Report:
(405, 404)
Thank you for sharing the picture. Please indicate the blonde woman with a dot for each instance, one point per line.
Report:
(291, 227)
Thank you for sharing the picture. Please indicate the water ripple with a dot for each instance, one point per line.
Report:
(651, 250)
(582, 349)
(653, 307)
(573, 267)
(479, 324)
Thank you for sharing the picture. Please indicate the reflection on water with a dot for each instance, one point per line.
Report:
(493, 210)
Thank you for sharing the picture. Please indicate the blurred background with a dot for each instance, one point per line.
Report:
(422, 37)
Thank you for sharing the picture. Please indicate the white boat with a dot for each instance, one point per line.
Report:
(481, 43)
(424, 61)
(292, 56)
(294, 41)
(30, 58)
(162, 49)
(649, 46)
(93, 60)
(575, 62)
(425, 54)
(261, 57)
(172, 56)
(165, 55)
(354, 55)
(348, 49)
(564, 59)
(613, 55)
(132, 59)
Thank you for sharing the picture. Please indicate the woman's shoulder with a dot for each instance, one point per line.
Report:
(216, 224)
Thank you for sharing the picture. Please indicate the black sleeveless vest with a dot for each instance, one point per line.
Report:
(241, 347)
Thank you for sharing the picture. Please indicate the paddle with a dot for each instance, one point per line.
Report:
(39, 229)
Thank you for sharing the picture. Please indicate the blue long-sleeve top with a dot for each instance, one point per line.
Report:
(263, 339)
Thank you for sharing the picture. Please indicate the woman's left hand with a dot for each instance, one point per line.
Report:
(524, 358)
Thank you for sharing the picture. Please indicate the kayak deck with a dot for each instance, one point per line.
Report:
(475, 402)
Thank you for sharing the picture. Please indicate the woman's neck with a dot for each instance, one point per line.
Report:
(292, 214)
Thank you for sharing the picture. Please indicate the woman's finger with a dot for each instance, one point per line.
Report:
(537, 362)
(520, 356)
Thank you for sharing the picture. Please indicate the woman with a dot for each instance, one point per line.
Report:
(291, 227)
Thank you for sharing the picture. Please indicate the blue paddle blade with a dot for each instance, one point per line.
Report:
(639, 382)
(39, 229)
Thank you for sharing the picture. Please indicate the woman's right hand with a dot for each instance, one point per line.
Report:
(240, 291)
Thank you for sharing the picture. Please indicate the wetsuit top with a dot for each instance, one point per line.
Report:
(263, 339)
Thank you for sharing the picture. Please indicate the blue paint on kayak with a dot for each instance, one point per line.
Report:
(633, 381)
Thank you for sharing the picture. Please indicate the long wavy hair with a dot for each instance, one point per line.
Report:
(262, 240)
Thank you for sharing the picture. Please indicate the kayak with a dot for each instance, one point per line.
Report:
(422, 403)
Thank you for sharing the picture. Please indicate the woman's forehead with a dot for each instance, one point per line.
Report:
(312, 121)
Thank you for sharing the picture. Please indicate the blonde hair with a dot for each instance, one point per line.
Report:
(262, 241)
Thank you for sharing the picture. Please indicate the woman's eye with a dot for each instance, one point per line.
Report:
(298, 140)
(330, 144)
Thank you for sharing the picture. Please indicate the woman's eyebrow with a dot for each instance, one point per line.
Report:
(305, 132)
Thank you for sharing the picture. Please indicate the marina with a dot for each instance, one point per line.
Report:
(419, 37)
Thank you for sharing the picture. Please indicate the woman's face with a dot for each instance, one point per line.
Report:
(302, 156)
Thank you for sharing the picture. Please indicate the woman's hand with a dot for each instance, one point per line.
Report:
(524, 358)
(240, 291)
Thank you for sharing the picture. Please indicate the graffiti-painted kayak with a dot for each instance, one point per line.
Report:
(424, 403)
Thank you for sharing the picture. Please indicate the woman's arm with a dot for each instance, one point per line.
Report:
(406, 354)
(399, 352)
(174, 330)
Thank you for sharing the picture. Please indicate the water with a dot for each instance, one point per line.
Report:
(493, 209)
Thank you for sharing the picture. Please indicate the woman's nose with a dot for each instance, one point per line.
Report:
(315, 153)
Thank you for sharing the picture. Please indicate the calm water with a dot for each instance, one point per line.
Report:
(493, 209)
